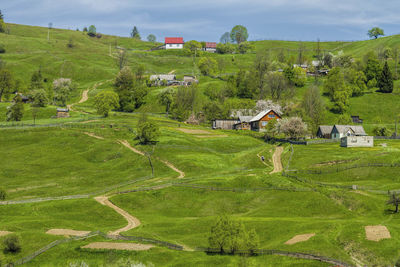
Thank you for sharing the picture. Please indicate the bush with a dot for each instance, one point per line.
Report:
(2, 49)
(3, 194)
(11, 244)
(208, 66)
(381, 131)
(147, 131)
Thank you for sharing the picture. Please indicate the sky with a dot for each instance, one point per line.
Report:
(207, 20)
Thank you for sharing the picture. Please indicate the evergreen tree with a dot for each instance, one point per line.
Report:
(6, 82)
(385, 81)
(16, 110)
(135, 33)
(37, 80)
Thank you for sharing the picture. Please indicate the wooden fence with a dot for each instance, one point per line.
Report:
(298, 255)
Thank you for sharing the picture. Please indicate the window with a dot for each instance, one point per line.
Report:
(264, 123)
(271, 116)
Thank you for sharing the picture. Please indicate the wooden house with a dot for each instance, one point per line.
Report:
(356, 119)
(259, 122)
(62, 113)
(324, 131)
(173, 43)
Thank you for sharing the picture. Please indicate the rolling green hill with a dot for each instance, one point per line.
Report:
(178, 187)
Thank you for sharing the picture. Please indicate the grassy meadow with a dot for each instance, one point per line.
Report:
(82, 155)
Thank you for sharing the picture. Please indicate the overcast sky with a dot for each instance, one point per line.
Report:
(207, 20)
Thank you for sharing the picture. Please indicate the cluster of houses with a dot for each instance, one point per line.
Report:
(349, 135)
(170, 80)
(178, 43)
(254, 123)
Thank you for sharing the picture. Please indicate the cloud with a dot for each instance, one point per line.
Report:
(208, 19)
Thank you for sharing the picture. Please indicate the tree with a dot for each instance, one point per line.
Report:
(62, 88)
(135, 33)
(208, 66)
(395, 201)
(294, 127)
(12, 244)
(193, 46)
(3, 27)
(147, 131)
(357, 81)
(37, 80)
(122, 58)
(92, 31)
(239, 34)
(227, 48)
(381, 131)
(296, 76)
(184, 102)
(276, 84)
(375, 32)
(338, 90)
(15, 112)
(244, 47)
(166, 97)
(6, 82)
(130, 89)
(225, 38)
(219, 234)
(105, 101)
(39, 98)
(3, 194)
(373, 67)
(385, 81)
(151, 38)
(85, 29)
(314, 107)
(35, 113)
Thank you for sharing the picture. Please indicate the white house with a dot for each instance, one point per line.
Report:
(357, 141)
(340, 131)
(174, 43)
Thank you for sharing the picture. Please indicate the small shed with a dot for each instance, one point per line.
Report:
(224, 124)
(356, 119)
(259, 122)
(324, 131)
(189, 80)
(62, 113)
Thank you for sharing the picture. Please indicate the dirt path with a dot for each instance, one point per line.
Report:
(276, 159)
(259, 155)
(299, 238)
(4, 233)
(85, 95)
(169, 164)
(94, 136)
(172, 72)
(133, 222)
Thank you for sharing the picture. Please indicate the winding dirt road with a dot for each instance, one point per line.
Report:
(133, 222)
(276, 160)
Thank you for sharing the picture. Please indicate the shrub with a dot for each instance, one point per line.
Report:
(381, 131)
(3, 194)
(147, 131)
(2, 49)
(11, 244)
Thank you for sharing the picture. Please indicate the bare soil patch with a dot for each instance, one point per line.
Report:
(191, 131)
(4, 233)
(211, 136)
(27, 188)
(276, 159)
(68, 232)
(118, 246)
(377, 233)
(132, 221)
(94, 136)
(171, 166)
(126, 144)
(334, 162)
(299, 238)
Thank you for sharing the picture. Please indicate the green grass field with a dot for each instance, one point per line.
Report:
(82, 155)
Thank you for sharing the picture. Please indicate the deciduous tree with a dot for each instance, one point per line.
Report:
(208, 66)
(239, 34)
(225, 38)
(375, 32)
(151, 38)
(6, 82)
(293, 127)
(92, 31)
(15, 112)
(314, 107)
(106, 101)
(166, 97)
(395, 201)
(147, 131)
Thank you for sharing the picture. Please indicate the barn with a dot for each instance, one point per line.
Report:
(324, 131)
(260, 122)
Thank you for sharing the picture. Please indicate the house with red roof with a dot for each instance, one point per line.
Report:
(210, 47)
(174, 43)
